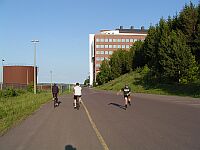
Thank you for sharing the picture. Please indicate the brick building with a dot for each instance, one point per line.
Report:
(105, 42)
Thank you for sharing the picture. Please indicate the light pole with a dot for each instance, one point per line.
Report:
(51, 79)
(34, 42)
(2, 75)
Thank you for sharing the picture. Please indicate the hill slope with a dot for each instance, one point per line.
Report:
(135, 81)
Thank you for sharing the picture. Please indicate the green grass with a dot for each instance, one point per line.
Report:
(15, 109)
(135, 81)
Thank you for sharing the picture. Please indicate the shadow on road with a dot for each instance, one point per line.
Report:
(70, 147)
(117, 105)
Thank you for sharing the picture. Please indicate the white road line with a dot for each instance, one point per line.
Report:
(101, 140)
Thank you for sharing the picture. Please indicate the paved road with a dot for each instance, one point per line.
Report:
(151, 123)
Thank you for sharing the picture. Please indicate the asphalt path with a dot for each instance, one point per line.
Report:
(152, 122)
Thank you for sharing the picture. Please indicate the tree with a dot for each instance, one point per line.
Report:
(87, 81)
(150, 46)
(187, 20)
(177, 61)
(120, 63)
(105, 73)
(196, 42)
(188, 23)
(168, 55)
(137, 52)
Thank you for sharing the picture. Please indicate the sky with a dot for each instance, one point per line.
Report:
(63, 27)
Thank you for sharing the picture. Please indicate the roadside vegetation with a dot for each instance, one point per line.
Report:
(16, 105)
(169, 56)
(139, 82)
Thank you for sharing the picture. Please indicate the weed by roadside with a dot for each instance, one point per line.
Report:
(15, 109)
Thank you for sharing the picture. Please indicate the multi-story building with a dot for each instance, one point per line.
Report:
(104, 43)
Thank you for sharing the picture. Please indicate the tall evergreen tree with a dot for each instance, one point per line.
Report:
(187, 20)
(196, 47)
(178, 63)
(137, 52)
(150, 46)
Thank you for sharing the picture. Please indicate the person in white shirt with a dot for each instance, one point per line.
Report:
(77, 93)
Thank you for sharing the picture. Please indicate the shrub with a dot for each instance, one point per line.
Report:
(9, 92)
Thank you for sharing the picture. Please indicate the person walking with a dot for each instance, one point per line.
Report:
(55, 91)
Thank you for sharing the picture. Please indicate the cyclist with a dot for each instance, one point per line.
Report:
(127, 95)
(77, 93)
(55, 91)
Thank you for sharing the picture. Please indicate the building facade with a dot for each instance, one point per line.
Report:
(103, 44)
(18, 75)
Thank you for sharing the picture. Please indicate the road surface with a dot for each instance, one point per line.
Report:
(152, 123)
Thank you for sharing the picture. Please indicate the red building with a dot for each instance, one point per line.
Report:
(18, 75)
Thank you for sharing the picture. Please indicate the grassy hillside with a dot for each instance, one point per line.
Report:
(135, 81)
(15, 109)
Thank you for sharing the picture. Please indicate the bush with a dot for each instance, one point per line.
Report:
(9, 92)
(30, 87)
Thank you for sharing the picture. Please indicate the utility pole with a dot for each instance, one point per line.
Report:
(51, 79)
(2, 75)
(35, 83)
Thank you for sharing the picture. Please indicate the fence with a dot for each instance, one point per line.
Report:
(45, 87)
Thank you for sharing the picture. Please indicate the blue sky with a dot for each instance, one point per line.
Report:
(63, 26)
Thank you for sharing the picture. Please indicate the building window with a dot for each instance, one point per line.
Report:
(127, 46)
(131, 40)
(102, 40)
(110, 46)
(106, 46)
(106, 52)
(127, 40)
(123, 46)
(98, 52)
(106, 40)
(102, 58)
(135, 40)
(114, 40)
(98, 58)
(110, 40)
(114, 46)
(118, 40)
(97, 40)
(97, 46)
(110, 52)
(123, 40)
(102, 52)
(101, 46)
(119, 46)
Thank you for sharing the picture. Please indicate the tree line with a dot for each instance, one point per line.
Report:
(171, 51)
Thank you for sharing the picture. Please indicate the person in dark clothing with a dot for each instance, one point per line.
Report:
(55, 91)
(127, 95)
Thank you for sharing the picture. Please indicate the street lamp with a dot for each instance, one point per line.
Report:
(34, 42)
(2, 74)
